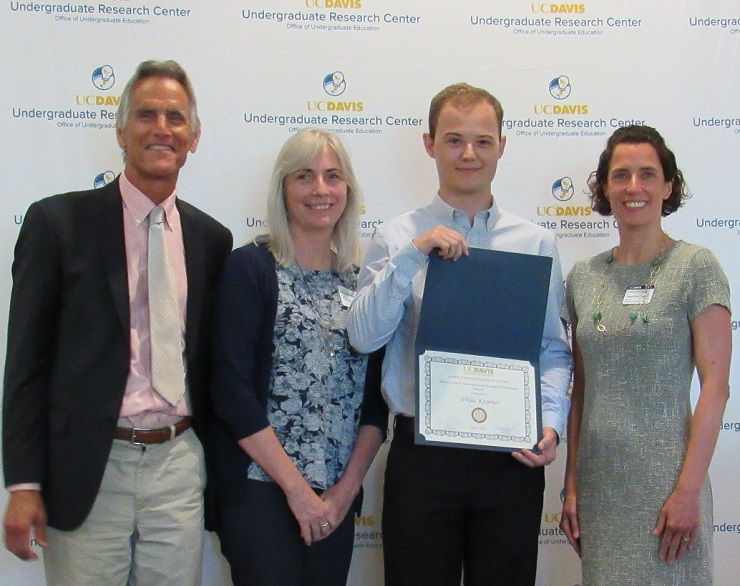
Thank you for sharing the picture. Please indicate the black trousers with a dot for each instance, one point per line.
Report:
(452, 510)
(261, 541)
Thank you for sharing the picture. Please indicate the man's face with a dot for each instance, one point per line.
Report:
(466, 148)
(158, 134)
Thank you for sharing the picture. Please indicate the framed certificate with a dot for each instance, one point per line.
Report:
(478, 347)
(476, 401)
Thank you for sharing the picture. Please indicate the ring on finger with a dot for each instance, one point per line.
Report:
(685, 539)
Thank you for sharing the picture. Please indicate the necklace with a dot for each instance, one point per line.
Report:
(640, 314)
(332, 342)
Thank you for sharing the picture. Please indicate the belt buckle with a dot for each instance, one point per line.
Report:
(133, 437)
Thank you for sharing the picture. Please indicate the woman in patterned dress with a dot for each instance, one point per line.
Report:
(297, 421)
(644, 316)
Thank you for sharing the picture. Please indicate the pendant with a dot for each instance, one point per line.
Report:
(332, 346)
(597, 321)
(329, 349)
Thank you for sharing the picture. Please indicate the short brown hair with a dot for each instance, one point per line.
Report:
(462, 94)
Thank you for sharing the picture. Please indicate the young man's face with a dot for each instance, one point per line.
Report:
(466, 148)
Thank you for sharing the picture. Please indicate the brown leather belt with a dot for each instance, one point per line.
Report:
(153, 436)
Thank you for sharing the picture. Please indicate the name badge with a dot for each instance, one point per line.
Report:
(638, 294)
(346, 296)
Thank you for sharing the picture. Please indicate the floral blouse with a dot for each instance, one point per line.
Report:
(318, 379)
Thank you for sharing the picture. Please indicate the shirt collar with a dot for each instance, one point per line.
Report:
(139, 205)
(447, 214)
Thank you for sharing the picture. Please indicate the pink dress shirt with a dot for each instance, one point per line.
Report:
(142, 406)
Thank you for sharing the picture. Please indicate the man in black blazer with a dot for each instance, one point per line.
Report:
(90, 447)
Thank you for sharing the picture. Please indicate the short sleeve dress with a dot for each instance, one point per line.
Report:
(637, 411)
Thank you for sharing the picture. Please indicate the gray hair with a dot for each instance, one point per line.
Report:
(298, 152)
(169, 69)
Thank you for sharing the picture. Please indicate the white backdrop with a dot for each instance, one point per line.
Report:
(567, 74)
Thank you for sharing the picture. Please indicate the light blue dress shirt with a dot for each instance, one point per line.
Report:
(391, 284)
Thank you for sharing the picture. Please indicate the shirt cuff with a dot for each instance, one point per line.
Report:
(554, 421)
(24, 486)
(409, 260)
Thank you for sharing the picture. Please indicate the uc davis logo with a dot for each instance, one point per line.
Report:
(562, 189)
(334, 84)
(103, 179)
(103, 77)
(560, 87)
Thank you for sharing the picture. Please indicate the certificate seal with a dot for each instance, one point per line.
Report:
(479, 415)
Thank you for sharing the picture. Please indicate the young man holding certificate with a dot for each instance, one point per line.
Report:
(454, 510)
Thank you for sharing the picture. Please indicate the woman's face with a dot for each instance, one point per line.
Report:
(315, 197)
(636, 187)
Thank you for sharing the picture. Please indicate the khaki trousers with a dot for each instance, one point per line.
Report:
(146, 525)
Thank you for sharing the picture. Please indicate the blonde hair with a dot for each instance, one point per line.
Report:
(299, 152)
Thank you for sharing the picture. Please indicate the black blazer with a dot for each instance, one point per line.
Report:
(68, 341)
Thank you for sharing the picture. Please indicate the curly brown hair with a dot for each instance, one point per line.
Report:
(637, 134)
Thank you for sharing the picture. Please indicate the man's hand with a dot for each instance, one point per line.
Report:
(547, 446)
(450, 244)
(25, 517)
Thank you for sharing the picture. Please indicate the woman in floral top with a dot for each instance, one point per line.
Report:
(298, 414)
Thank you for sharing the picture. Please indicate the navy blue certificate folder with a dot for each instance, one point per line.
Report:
(488, 304)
